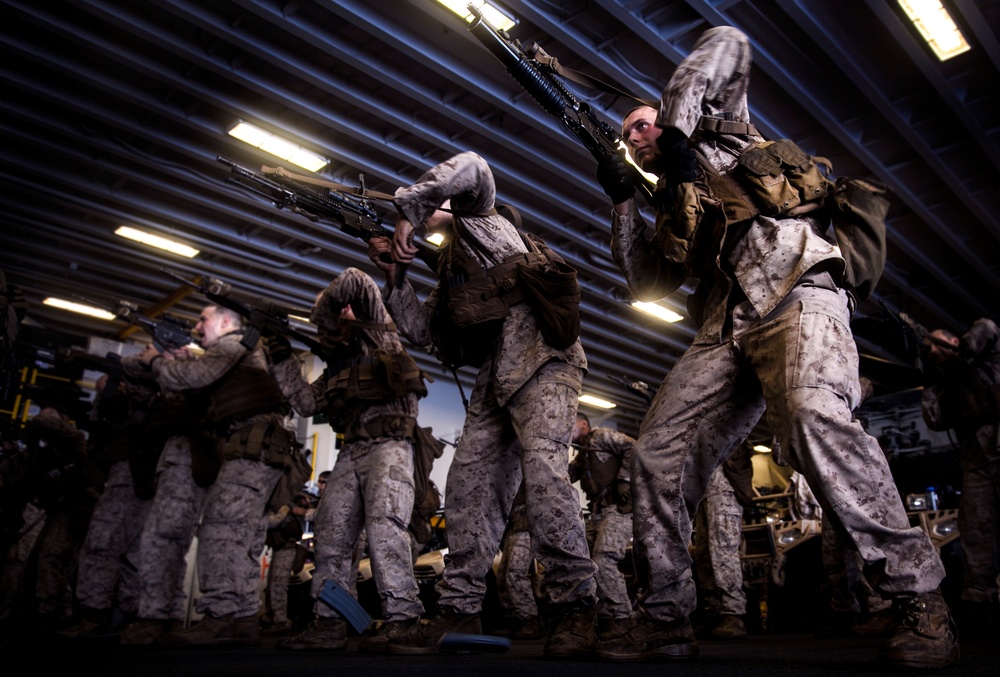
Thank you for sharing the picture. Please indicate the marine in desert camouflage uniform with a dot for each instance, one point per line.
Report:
(602, 465)
(518, 424)
(774, 331)
(245, 405)
(371, 486)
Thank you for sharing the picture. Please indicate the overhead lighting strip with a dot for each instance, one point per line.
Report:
(275, 145)
(157, 241)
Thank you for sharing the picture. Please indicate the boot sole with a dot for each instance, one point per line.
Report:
(926, 661)
(667, 652)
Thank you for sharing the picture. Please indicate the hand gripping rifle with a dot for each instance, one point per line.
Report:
(320, 200)
(263, 317)
(536, 71)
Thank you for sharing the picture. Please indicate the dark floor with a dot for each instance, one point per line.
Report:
(779, 654)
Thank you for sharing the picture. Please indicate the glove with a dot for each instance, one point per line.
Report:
(616, 179)
(279, 348)
(680, 163)
(623, 496)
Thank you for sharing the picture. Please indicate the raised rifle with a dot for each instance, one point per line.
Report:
(536, 72)
(321, 200)
(168, 332)
(641, 388)
(262, 317)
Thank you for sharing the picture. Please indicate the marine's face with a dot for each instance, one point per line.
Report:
(581, 429)
(212, 325)
(640, 132)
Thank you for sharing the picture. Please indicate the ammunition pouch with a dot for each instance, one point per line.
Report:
(783, 179)
(398, 427)
(242, 393)
(552, 292)
(858, 213)
(372, 378)
(261, 441)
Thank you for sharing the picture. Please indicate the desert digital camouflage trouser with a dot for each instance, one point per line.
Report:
(608, 533)
(514, 584)
(370, 489)
(979, 526)
(231, 538)
(56, 551)
(801, 362)
(168, 532)
(528, 437)
(718, 528)
(848, 588)
(278, 574)
(109, 559)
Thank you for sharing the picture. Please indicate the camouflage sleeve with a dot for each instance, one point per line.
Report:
(134, 369)
(465, 179)
(980, 343)
(712, 79)
(932, 406)
(304, 398)
(413, 318)
(200, 372)
(617, 443)
(648, 274)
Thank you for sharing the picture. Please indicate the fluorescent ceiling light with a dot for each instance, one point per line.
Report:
(436, 239)
(156, 241)
(303, 320)
(762, 449)
(649, 176)
(81, 308)
(276, 146)
(597, 402)
(493, 16)
(657, 311)
(936, 27)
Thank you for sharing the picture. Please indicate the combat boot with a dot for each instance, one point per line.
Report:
(424, 637)
(212, 631)
(92, 621)
(649, 639)
(527, 628)
(145, 631)
(387, 633)
(323, 634)
(575, 636)
(729, 627)
(926, 636)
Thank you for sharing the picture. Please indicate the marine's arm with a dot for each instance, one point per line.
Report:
(647, 272)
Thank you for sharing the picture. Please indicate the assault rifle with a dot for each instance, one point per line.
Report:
(536, 72)
(263, 317)
(168, 332)
(320, 200)
(923, 336)
(641, 388)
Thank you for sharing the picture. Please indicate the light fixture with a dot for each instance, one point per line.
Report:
(762, 449)
(277, 146)
(597, 402)
(303, 320)
(649, 176)
(657, 311)
(936, 26)
(493, 16)
(81, 308)
(156, 241)
(436, 239)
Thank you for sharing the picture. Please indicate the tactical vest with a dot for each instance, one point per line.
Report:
(475, 301)
(597, 475)
(776, 179)
(371, 379)
(243, 392)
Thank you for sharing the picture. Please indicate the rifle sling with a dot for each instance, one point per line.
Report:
(339, 187)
